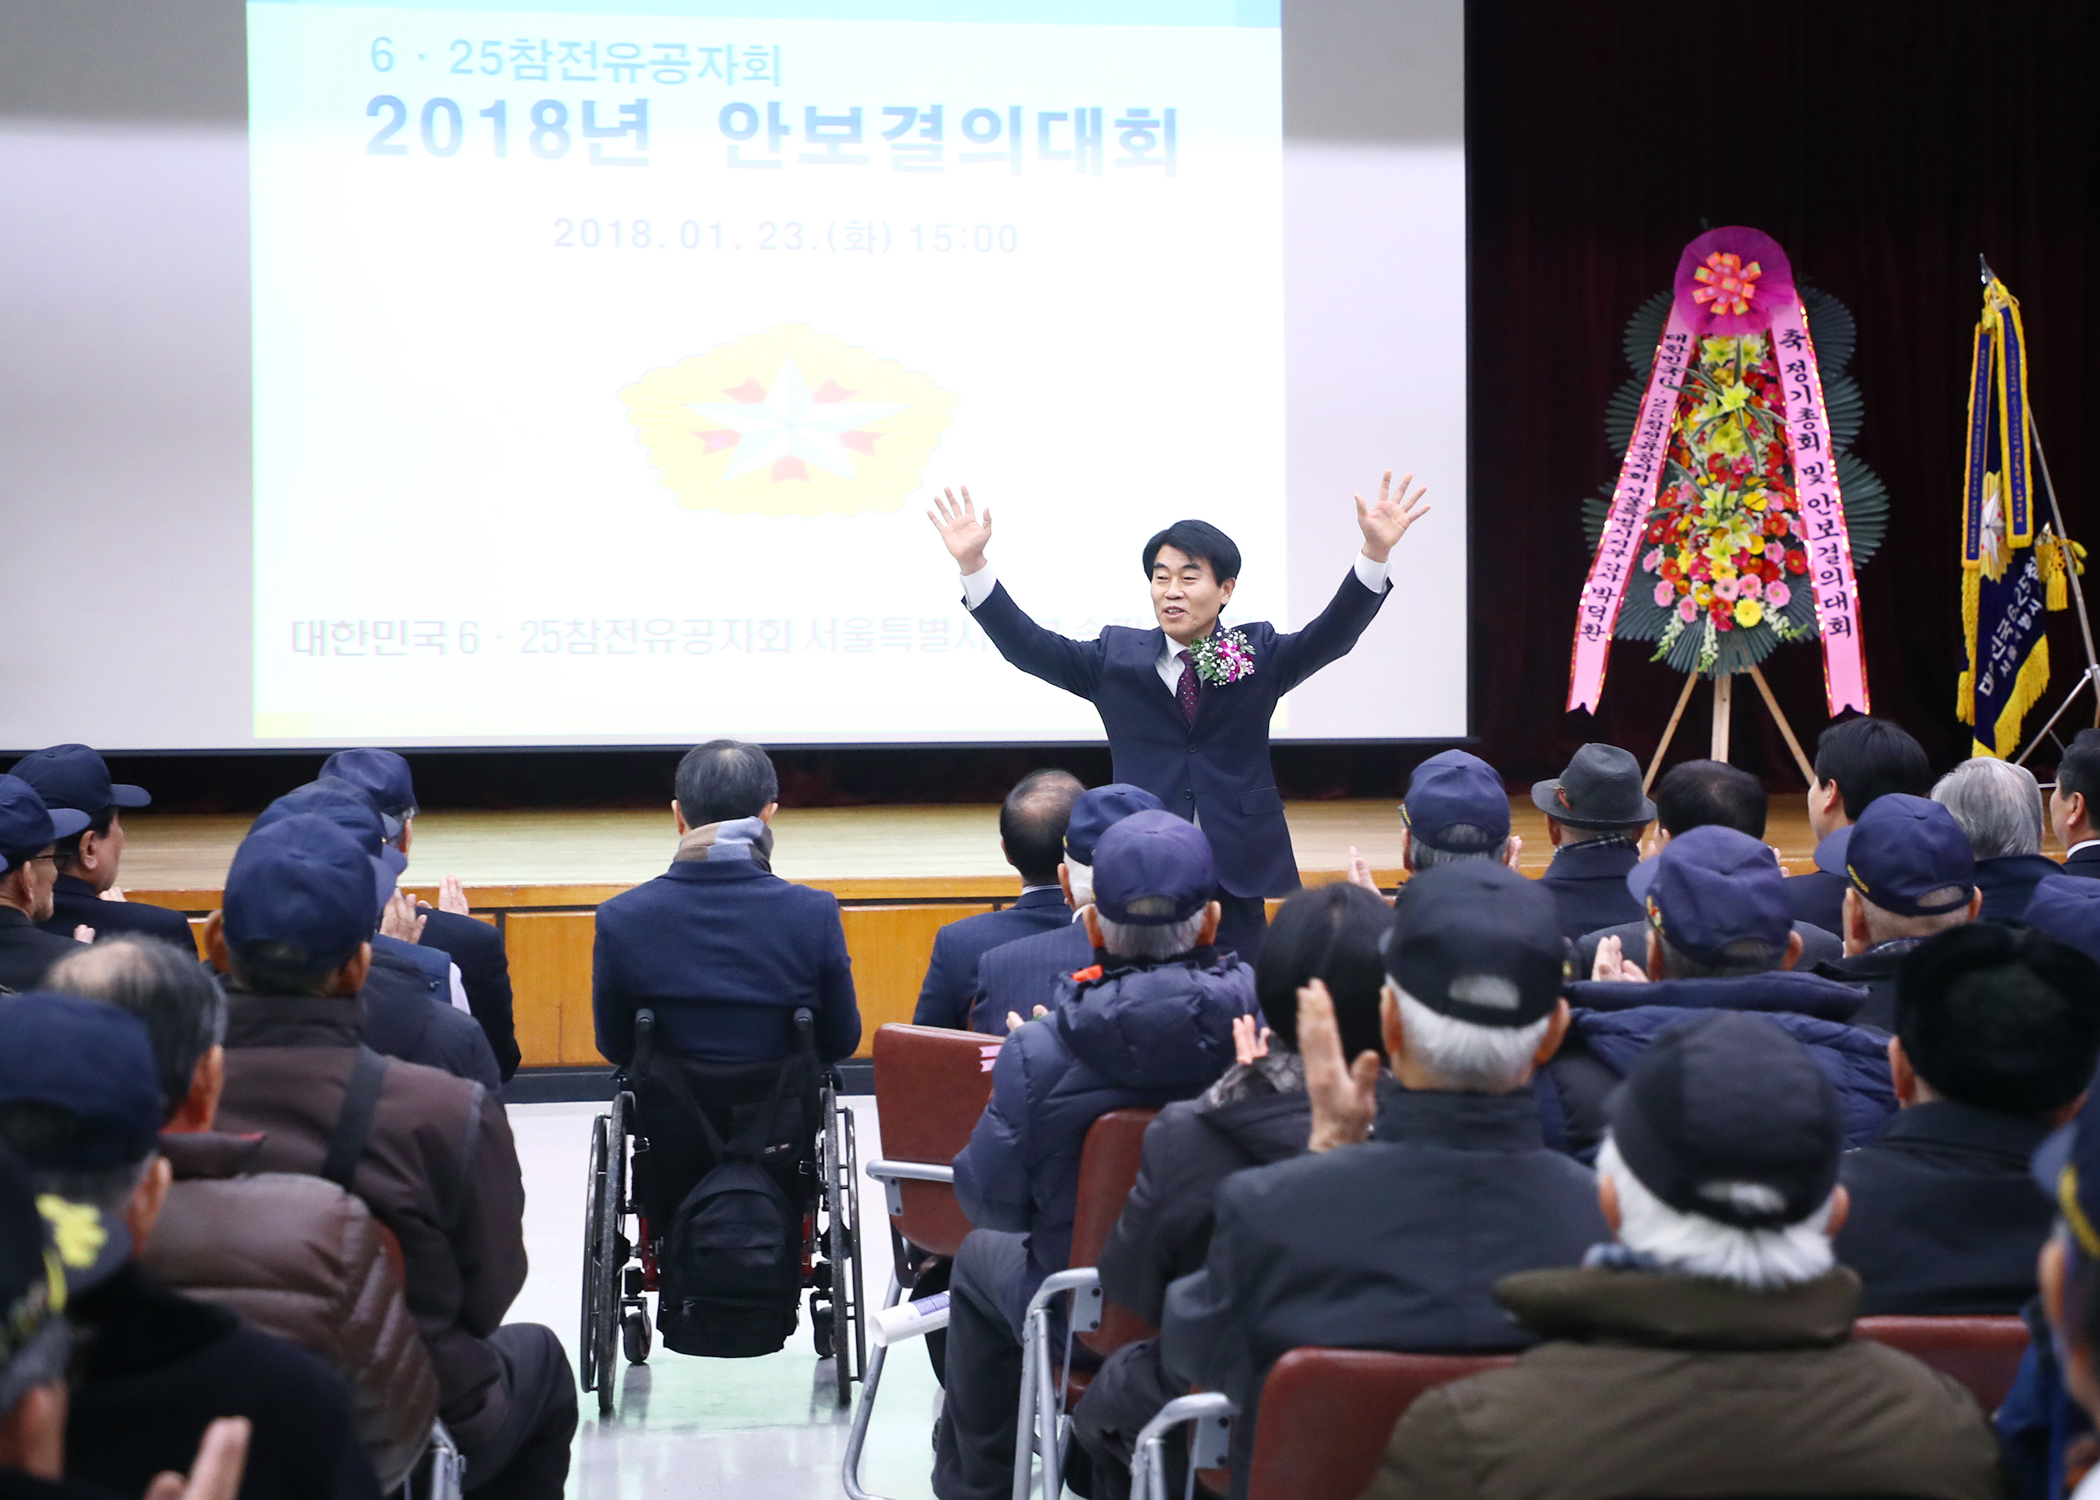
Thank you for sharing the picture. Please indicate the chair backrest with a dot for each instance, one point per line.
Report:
(1326, 1415)
(1108, 1169)
(1982, 1353)
(931, 1084)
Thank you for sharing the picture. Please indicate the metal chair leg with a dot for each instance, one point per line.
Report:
(857, 1438)
(1148, 1478)
(1039, 1422)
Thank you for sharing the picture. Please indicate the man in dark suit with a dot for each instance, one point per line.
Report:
(1856, 761)
(1595, 811)
(86, 893)
(1997, 1031)
(1187, 706)
(449, 927)
(1031, 836)
(1015, 978)
(721, 948)
(29, 832)
(2071, 806)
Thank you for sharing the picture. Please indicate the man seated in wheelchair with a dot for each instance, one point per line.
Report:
(1149, 1022)
(724, 955)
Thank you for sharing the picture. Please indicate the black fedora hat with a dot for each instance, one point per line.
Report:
(1601, 788)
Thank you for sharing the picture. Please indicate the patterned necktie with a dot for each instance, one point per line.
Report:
(1186, 692)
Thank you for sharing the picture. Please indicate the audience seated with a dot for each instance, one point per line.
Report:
(475, 949)
(1255, 1114)
(1707, 1351)
(1394, 1242)
(35, 1341)
(1856, 761)
(1997, 1034)
(1909, 872)
(1595, 811)
(1032, 824)
(2070, 808)
(1016, 978)
(408, 1012)
(1999, 808)
(1720, 938)
(2067, 1169)
(1698, 794)
(1150, 1024)
(86, 893)
(436, 1165)
(294, 1256)
(1455, 810)
(29, 834)
(80, 1105)
(721, 948)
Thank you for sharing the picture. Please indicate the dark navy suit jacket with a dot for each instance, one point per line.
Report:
(484, 972)
(74, 902)
(1588, 881)
(2085, 862)
(1818, 898)
(2008, 883)
(951, 975)
(1018, 976)
(724, 953)
(1217, 770)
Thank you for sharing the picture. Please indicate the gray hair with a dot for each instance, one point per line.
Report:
(1998, 805)
(1885, 926)
(181, 1004)
(1747, 955)
(1464, 1056)
(1692, 1245)
(1421, 856)
(1149, 944)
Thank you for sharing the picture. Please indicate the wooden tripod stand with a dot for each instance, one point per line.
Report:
(1724, 700)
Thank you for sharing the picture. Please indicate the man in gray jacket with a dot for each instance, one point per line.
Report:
(1709, 1350)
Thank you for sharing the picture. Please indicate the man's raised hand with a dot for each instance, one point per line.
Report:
(962, 530)
(1386, 520)
(1344, 1096)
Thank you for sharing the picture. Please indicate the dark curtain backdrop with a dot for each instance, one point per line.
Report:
(1884, 143)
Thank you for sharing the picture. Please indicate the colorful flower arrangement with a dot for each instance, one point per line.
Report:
(1722, 576)
(1223, 657)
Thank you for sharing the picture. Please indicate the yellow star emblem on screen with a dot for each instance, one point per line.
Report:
(788, 422)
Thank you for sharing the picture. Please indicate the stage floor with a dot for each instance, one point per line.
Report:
(869, 853)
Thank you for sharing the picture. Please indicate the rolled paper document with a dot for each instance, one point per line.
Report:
(908, 1320)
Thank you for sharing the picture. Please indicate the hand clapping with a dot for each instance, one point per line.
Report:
(1344, 1097)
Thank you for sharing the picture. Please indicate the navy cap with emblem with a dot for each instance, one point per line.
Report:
(27, 825)
(350, 808)
(1728, 1117)
(305, 883)
(381, 775)
(1095, 812)
(1455, 790)
(1152, 869)
(1716, 895)
(76, 776)
(1479, 943)
(1906, 854)
(34, 1339)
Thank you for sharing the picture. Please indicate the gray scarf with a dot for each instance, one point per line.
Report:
(747, 839)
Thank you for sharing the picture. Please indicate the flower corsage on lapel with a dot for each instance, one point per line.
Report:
(1223, 657)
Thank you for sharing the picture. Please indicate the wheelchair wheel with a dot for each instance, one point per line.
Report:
(634, 1335)
(842, 1222)
(820, 1322)
(605, 1258)
(593, 1208)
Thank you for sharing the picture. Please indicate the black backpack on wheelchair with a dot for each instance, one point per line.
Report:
(732, 1269)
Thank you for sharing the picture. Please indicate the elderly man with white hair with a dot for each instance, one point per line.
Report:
(1709, 1350)
(1396, 1241)
(1999, 806)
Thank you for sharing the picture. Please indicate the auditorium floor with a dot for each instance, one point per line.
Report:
(731, 1428)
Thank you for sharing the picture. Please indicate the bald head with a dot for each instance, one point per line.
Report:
(1032, 823)
(182, 1006)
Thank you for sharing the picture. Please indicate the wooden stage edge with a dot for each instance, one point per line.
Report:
(900, 873)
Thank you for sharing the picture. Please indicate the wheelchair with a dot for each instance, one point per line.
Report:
(647, 1153)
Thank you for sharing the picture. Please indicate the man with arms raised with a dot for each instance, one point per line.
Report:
(1187, 712)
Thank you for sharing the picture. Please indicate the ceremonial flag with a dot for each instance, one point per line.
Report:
(2012, 569)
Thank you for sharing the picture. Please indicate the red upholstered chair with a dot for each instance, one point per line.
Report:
(1982, 1353)
(931, 1085)
(1108, 1169)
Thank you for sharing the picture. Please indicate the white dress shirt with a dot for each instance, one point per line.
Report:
(978, 586)
(2082, 844)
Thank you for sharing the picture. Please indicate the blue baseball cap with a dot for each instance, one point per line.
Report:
(381, 775)
(26, 824)
(1712, 893)
(1479, 943)
(1095, 812)
(1452, 790)
(350, 809)
(1905, 854)
(77, 777)
(1153, 869)
(305, 882)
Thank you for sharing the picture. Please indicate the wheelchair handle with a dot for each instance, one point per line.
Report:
(644, 1042)
(805, 1029)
